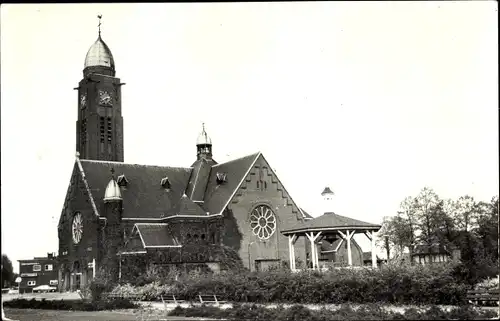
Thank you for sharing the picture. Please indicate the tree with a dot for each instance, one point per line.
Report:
(465, 213)
(7, 272)
(487, 227)
(428, 215)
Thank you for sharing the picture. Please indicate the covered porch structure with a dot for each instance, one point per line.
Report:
(326, 227)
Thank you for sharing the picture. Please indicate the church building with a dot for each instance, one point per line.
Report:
(115, 209)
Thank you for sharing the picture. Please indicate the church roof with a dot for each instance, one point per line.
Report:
(218, 196)
(155, 235)
(144, 197)
(330, 221)
(186, 207)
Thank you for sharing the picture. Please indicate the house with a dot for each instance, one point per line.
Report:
(38, 271)
(434, 253)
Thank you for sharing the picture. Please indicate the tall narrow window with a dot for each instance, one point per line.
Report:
(109, 134)
(109, 129)
(83, 134)
(101, 127)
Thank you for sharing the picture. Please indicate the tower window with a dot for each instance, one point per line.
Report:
(265, 185)
(83, 133)
(101, 127)
(109, 129)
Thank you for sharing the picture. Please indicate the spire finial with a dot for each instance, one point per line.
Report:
(112, 170)
(203, 126)
(99, 16)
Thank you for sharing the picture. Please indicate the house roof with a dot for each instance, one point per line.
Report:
(155, 235)
(330, 221)
(431, 249)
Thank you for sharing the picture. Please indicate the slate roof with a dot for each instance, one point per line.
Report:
(198, 180)
(217, 196)
(145, 198)
(155, 235)
(332, 221)
(186, 207)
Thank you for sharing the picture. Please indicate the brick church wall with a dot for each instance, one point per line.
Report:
(238, 233)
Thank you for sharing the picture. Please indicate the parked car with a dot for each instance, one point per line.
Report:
(44, 289)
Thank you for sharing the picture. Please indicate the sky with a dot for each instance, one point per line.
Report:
(374, 99)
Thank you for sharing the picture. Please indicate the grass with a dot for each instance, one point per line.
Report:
(129, 315)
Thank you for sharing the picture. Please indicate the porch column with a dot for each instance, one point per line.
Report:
(348, 237)
(290, 251)
(371, 236)
(314, 256)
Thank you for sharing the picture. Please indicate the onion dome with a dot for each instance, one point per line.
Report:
(99, 54)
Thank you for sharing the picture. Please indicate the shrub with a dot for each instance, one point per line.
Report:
(71, 304)
(389, 284)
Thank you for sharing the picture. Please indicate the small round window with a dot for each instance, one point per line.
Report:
(263, 222)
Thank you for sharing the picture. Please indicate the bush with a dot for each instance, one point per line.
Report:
(43, 304)
(488, 284)
(390, 284)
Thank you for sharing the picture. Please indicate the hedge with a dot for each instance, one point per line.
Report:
(75, 305)
(345, 312)
(389, 284)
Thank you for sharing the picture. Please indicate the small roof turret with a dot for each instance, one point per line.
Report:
(112, 192)
(326, 191)
(203, 138)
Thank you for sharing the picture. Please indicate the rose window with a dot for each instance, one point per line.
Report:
(263, 222)
(77, 228)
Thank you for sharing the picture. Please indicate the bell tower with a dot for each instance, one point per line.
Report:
(99, 128)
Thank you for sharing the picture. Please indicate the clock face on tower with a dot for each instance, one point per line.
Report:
(83, 101)
(105, 98)
(77, 228)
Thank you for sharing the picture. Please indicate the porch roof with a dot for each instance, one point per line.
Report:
(330, 222)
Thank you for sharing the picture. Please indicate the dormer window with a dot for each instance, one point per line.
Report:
(122, 181)
(221, 178)
(165, 183)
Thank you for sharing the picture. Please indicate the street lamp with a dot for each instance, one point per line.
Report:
(249, 261)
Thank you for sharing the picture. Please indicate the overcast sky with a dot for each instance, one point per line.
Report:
(375, 100)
